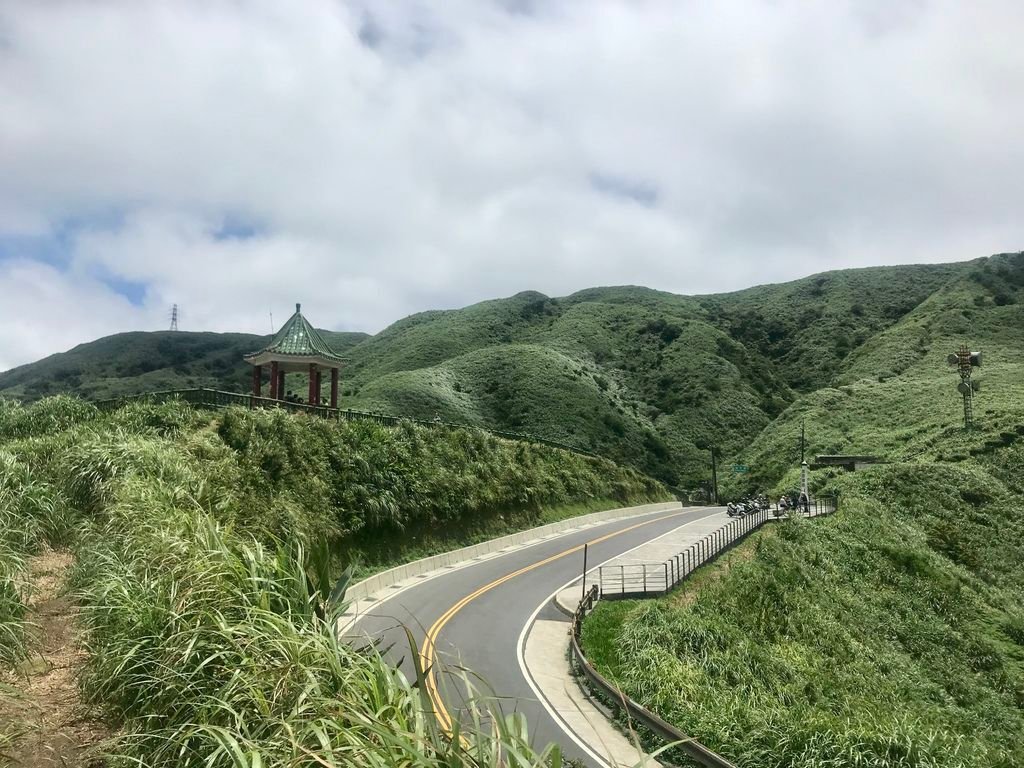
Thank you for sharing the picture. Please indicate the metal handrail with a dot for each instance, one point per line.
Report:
(666, 731)
(649, 579)
(675, 569)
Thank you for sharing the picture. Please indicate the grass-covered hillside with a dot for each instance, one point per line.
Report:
(644, 376)
(896, 396)
(129, 363)
(648, 378)
(206, 551)
(810, 327)
(891, 634)
(888, 635)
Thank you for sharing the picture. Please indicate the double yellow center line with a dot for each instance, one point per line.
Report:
(428, 651)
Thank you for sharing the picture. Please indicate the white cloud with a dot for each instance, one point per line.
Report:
(46, 310)
(403, 156)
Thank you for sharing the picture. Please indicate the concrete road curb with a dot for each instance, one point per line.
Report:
(385, 579)
(544, 661)
(364, 595)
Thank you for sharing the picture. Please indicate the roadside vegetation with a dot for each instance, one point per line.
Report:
(208, 550)
(891, 634)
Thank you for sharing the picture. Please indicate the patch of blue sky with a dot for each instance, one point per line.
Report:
(56, 249)
(234, 227)
(47, 249)
(133, 290)
(638, 191)
(56, 246)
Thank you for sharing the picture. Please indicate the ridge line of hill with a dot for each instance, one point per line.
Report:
(641, 376)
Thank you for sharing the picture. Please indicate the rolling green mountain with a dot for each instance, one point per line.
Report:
(895, 396)
(129, 363)
(889, 634)
(645, 377)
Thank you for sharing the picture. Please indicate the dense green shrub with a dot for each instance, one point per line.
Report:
(45, 416)
(209, 648)
(369, 487)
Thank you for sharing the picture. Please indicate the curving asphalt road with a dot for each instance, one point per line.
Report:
(477, 616)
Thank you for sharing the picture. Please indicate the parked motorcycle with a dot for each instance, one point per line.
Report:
(751, 505)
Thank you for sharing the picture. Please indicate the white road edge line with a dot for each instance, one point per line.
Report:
(521, 644)
(350, 626)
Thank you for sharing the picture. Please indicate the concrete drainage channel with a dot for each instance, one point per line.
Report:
(674, 570)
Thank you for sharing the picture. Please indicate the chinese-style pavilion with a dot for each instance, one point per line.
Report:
(297, 348)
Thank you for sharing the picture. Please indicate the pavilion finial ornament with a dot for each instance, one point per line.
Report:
(298, 307)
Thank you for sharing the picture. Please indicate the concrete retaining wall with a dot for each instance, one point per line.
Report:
(385, 579)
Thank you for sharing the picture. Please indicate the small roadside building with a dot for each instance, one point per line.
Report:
(297, 348)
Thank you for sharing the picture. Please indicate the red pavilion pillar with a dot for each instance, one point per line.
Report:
(274, 394)
(334, 387)
(257, 380)
(313, 395)
(280, 386)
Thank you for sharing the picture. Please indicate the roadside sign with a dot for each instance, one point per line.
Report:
(740, 468)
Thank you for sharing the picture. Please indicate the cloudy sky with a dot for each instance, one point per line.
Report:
(372, 159)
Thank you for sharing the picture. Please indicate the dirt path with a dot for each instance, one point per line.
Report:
(46, 709)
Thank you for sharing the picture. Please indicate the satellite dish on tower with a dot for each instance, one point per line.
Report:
(965, 362)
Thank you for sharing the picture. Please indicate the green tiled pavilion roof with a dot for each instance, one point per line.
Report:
(298, 338)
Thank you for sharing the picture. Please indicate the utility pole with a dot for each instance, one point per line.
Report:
(805, 495)
(714, 475)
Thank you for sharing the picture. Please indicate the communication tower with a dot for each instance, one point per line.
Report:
(174, 317)
(965, 361)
